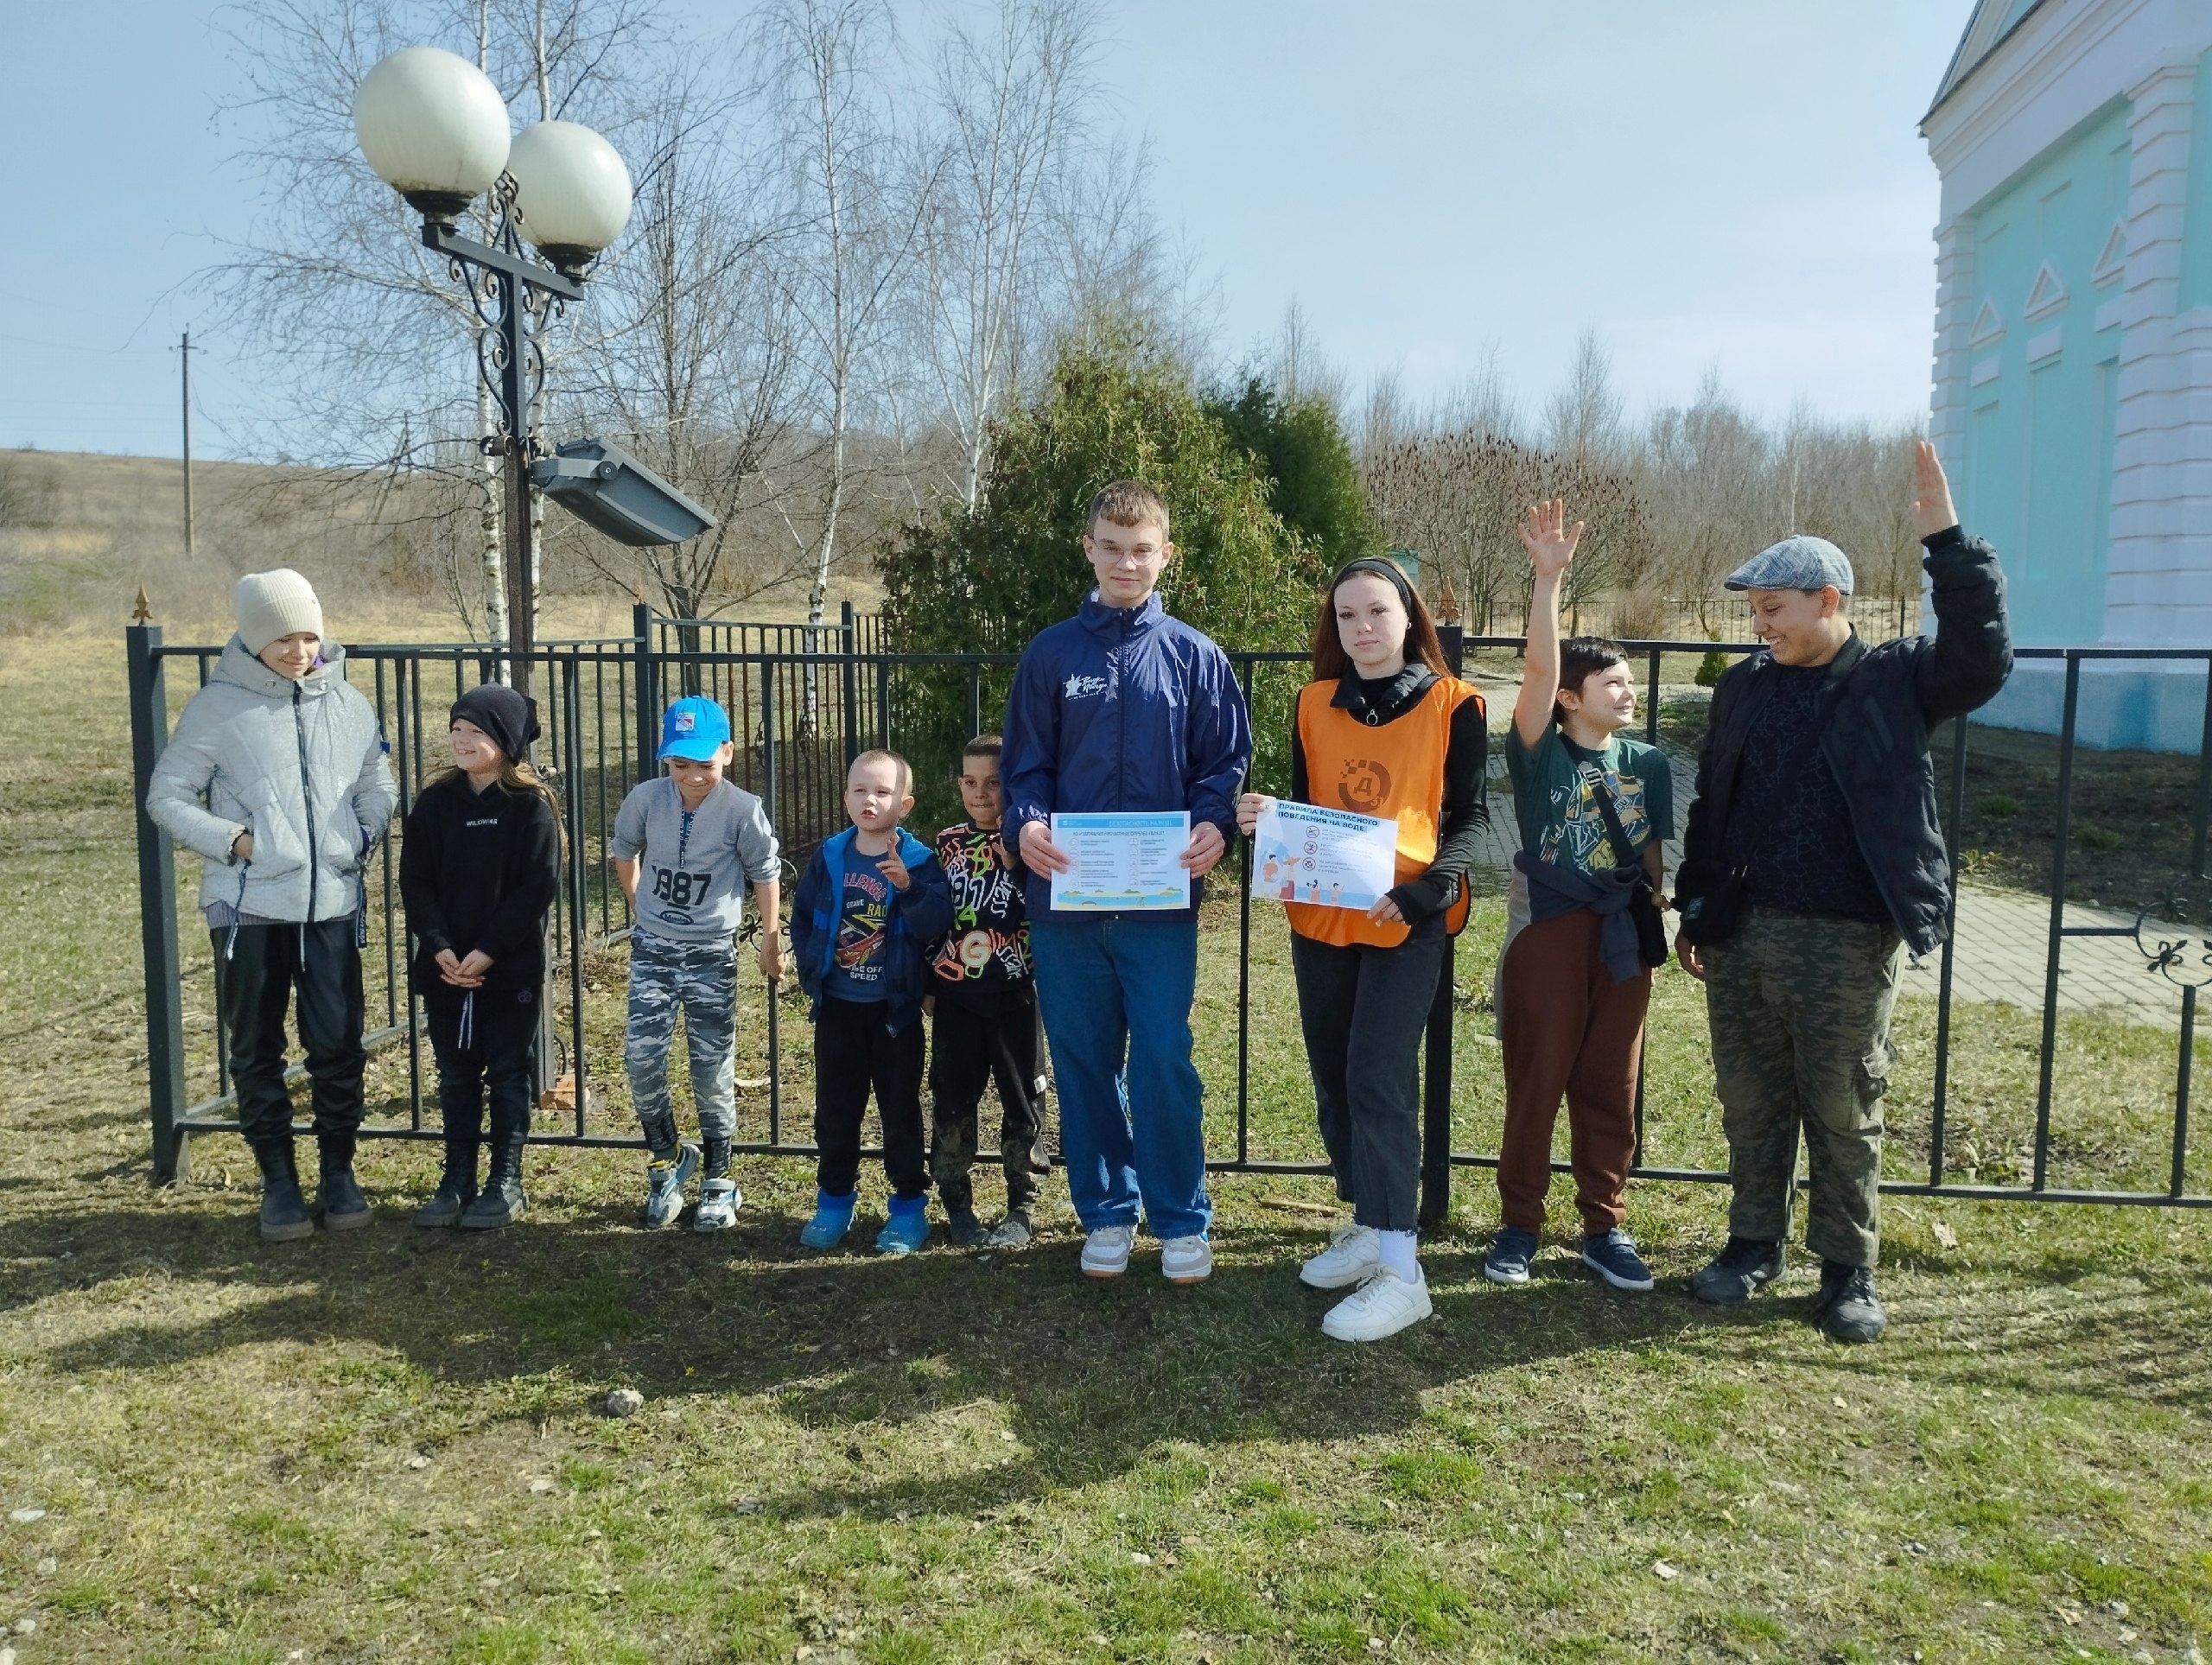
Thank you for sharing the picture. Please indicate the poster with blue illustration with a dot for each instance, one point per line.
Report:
(1329, 858)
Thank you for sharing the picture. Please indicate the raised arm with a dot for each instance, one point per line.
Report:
(1551, 544)
(1972, 654)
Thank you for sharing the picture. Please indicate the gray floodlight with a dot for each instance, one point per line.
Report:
(604, 486)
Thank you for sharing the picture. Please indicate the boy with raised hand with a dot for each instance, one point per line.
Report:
(1124, 708)
(703, 840)
(869, 908)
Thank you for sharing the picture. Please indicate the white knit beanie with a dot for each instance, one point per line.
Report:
(274, 604)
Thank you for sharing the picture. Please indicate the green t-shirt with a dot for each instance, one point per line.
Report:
(1560, 818)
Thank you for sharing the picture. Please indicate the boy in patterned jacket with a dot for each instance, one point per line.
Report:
(984, 1013)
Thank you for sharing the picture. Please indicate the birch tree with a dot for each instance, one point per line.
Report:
(1008, 100)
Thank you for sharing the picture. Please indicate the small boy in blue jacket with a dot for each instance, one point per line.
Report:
(871, 903)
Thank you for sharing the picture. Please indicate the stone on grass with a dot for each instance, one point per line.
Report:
(624, 1401)
(26, 1516)
(48, 1566)
(1667, 1572)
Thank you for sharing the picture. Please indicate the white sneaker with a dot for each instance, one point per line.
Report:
(1186, 1260)
(1106, 1251)
(1351, 1257)
(719, 1200)
(1382, 1306)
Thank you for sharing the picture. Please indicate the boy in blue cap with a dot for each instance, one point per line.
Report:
(695, 841)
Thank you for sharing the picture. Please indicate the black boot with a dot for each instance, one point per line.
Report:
(457, 1187)
(285, 1217)
(502, 1201)
(344, 1208)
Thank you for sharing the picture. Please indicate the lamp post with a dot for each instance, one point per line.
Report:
(434, 128)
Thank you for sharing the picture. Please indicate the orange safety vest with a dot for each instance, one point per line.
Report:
(1395, 770)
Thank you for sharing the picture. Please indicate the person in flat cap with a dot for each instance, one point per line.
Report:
(1811, 860)
(479, 869)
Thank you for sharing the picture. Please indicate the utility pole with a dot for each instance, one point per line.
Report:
(184, 358)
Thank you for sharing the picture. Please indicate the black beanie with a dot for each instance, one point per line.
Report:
(510, 719)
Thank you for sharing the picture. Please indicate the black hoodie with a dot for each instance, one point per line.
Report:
(479, 870)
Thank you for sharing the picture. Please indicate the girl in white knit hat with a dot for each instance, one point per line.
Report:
(276, 778)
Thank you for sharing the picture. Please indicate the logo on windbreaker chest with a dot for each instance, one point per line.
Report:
(1363, 786)
(1082, 687)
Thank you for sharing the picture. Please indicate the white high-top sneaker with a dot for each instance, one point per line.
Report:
(1382, 1306)
(1351, 1258)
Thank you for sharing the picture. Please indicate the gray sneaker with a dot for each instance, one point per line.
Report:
(1739, 1272)
(719, 1201)
(664, 1182)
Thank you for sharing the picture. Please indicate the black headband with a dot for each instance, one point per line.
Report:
(1380, 569)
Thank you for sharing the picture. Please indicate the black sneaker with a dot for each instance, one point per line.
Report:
(1848, 1309)
(965, 1229)
(1739, 1272)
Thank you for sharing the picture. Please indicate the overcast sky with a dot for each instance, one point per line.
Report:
(1729, 183)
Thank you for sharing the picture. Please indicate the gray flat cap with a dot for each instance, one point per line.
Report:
(1797, 562)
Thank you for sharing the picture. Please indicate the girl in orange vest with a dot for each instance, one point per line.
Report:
(1383, 729)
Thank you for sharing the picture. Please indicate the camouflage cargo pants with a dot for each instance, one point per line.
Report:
(1799, 1007)
(700, 980)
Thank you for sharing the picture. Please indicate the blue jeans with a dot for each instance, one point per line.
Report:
(1116, 997)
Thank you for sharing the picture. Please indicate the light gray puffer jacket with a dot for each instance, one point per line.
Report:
(301, 766)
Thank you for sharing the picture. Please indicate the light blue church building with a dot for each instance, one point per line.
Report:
(2073, 372)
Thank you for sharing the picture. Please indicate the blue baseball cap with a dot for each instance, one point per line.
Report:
(1798, 562)
(695, 729)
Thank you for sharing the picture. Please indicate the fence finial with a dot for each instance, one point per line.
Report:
(1447, 605)
(144, 613)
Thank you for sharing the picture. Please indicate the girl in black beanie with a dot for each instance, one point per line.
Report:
(479, 870)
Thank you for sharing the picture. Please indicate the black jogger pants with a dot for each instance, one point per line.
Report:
(257, 974)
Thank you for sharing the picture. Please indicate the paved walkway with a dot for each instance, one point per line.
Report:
(2002, 941)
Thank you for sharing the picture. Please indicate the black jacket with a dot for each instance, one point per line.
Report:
(1882, 701)
(479, 870)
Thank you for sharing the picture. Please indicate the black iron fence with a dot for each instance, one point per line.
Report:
(804, 699)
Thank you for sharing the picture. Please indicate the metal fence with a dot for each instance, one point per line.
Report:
(803, 699)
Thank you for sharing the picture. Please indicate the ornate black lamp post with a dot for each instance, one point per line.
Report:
(434, 128)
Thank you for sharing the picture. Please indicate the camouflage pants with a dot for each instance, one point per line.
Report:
(701, 979)
(1799, 1007)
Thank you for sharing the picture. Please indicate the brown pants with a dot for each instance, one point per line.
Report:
(1568, 1030)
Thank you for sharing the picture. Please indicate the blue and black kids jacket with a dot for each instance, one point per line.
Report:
(1124, 708)
(919, 915)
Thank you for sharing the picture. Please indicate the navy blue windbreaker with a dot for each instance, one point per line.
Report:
(1122, 709)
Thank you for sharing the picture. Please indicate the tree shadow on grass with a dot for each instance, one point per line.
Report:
(1095, 1378)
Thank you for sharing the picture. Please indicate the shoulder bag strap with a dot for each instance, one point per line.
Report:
(1601, 790)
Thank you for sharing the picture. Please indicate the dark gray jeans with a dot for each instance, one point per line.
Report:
(1364, 1011)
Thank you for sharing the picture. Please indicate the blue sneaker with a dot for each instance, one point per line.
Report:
(1613, 1257)
(907, 1229)
(1510, 1251)
(833, 1219)
(665, 1177)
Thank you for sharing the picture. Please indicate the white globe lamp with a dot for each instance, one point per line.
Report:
(571, 190)
(433, 127)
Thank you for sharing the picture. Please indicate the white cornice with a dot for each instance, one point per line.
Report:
(2070, 61)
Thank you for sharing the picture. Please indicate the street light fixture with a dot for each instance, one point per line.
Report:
(434, 128)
